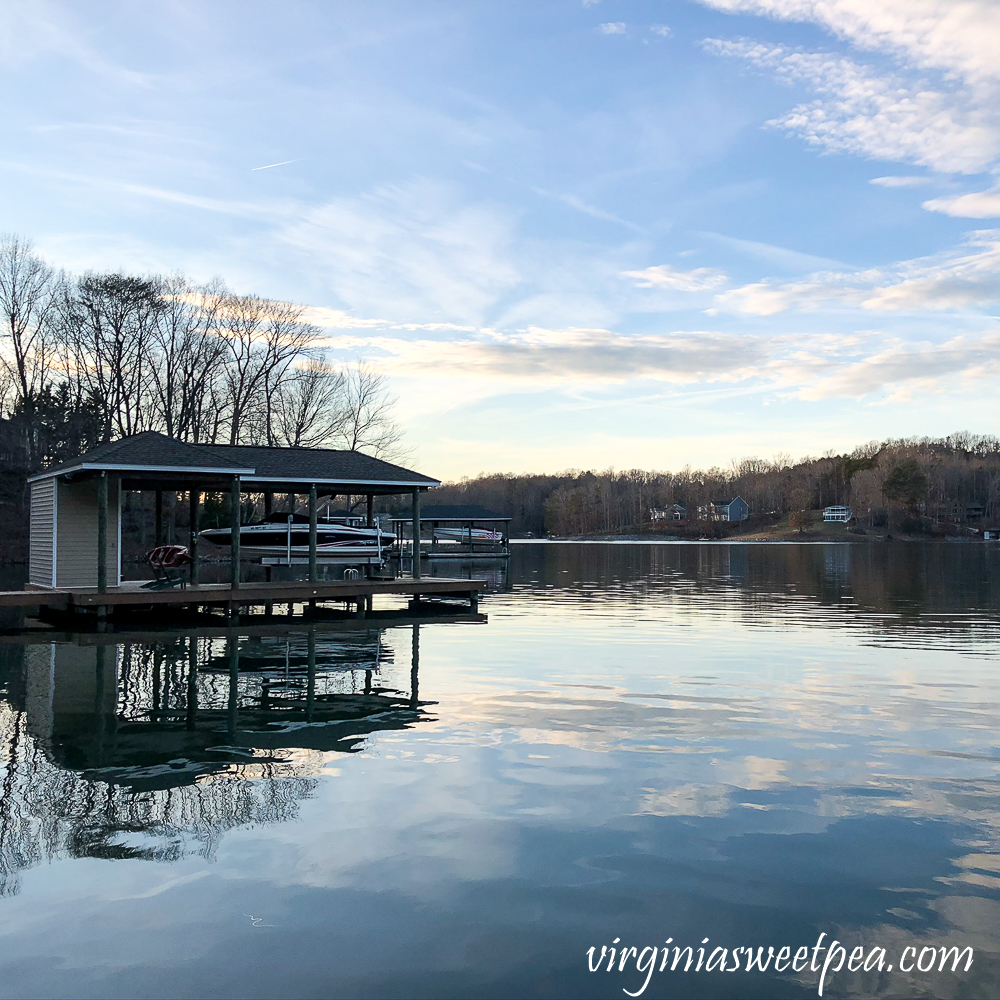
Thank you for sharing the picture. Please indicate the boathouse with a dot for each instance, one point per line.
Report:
(459, 525)
(75, 508)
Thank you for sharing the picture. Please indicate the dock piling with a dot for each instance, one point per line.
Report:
(313, 574)
(234, 533)
(194, 512)
(102, 533)
(416, 534)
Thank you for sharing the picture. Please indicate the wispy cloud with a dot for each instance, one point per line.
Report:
(878, 116)
(415, 252)
(540, 355)
(612, 28)
(39, 30)
(900, 367)
(782, 258)
(900, 182)
(670, 278)
(965, 278)
(804, 366)
(579, 205)
(959, 38)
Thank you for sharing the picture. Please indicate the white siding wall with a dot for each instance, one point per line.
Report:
(76, 533)
(42, 537)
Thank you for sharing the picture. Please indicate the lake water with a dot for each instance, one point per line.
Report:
(753, 744)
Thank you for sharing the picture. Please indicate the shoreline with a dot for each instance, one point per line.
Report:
(755, 539)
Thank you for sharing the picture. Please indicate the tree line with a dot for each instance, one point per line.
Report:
(912, 483)
(93, 357)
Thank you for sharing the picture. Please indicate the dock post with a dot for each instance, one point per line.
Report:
(371, 510)
(234, 534)
(194, 499)
(102, 533)
(416, 534)
(312, 534)
(268, 502)
(158, 518)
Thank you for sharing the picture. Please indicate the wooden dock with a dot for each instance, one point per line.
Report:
(132, 596)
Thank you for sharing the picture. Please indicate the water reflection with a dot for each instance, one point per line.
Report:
(139, 751)
(893, 594)
(754, 744)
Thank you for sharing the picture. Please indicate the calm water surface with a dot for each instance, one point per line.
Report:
(752, 744)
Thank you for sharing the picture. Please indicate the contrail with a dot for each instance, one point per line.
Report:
(269, 165)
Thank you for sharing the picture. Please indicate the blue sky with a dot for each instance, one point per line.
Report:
(573, 233)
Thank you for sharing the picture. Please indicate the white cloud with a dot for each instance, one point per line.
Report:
(968, 277)
(661, 30)
(805, 366)
(612, 28)
(877, 116)
(573, 355)
(907, 365)
(666, 277)
(958, 37)
(900, 182)
(976, 205)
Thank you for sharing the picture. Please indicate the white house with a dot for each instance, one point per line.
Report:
(837, 513)
(675, 512)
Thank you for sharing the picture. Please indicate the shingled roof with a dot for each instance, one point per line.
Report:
(456, 512)
(153, 453)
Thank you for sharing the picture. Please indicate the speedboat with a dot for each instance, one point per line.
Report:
(287, 535)
(467, 535)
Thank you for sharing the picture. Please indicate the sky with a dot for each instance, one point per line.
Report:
(573, 233)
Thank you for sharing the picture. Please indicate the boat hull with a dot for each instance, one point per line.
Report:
(480, 535)
(292, 541)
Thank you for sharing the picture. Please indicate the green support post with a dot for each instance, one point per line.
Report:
(313, 574)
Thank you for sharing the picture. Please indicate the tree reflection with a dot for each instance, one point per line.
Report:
(156, 751)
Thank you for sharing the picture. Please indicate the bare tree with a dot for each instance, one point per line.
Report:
(27, 285)
(309, 408)
(264, 339)
(369, 425)
(108, 333)
(187, 355)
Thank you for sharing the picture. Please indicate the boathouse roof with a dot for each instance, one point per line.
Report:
(151, 459)
(456, 512)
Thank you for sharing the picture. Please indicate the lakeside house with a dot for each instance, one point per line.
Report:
(675, 512)
(955, 510)
(736, 509)
(838, 513)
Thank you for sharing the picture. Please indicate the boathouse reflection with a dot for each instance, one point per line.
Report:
(155, 751)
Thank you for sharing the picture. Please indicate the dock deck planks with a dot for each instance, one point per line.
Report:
(132, 594)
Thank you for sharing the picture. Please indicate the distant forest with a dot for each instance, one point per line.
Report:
(918, 485)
